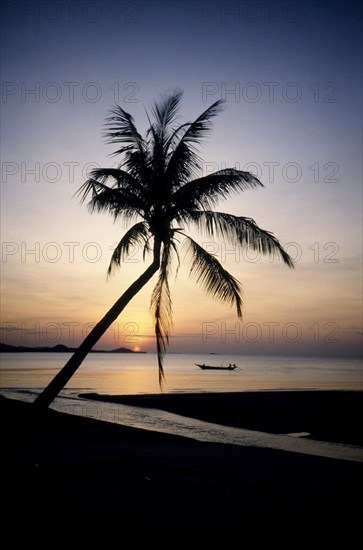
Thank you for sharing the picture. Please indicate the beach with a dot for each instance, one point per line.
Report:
(54, 462)
(322, 415)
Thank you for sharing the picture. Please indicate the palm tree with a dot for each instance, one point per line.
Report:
(157, 186)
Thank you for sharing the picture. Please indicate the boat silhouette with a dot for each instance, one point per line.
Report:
(209, 367)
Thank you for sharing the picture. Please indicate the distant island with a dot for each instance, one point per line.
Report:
(59, 348)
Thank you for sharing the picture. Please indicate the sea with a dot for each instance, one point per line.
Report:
(137, 373)
(23, 375)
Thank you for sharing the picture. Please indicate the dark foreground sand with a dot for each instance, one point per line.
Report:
(60, 466)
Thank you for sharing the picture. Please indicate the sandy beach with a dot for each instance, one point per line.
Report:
(54, 462)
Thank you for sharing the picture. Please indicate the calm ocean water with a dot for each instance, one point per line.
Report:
(137, 373)
(24, 374)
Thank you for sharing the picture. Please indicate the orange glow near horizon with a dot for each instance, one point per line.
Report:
(291, 118)
(284, 311)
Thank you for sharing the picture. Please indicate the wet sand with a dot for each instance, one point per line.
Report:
(325, 415)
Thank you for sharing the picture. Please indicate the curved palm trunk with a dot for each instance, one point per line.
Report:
(64, 375)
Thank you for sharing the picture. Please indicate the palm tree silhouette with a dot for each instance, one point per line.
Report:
(157, 185)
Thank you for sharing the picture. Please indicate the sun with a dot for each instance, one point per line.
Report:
(136, 348)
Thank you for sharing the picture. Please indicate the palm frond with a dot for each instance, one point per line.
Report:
(121, 129)
(210, 274)
(242, 231)
(138, 234)
(122, 179)
(175, 248)
(165, 110)
(204, 193)
(198, 129)
(119, 202)
(161, 305)
(187, 166)
(184, 161)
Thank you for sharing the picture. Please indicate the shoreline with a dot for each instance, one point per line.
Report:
(54, 462)
(326, 415)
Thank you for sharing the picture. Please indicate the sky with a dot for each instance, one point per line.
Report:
(290, 73)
